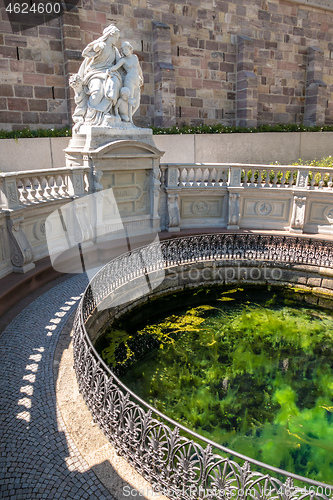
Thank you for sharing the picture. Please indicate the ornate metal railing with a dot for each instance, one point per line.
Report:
(177, 461)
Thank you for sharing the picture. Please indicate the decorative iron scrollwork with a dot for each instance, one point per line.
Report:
(181, 467)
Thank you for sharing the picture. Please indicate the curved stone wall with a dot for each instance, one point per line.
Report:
(152, 443)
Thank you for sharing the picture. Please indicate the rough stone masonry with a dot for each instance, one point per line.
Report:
(244, 62)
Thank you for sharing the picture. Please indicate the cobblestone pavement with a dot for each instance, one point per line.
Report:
(37, 460)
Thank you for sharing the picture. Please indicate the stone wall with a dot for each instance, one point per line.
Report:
(32, 80)
(230, 61)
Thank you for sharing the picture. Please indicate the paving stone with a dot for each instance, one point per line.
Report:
(34, 446)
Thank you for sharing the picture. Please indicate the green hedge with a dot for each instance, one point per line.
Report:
(225, 129)
(184, 129)
(26, 133)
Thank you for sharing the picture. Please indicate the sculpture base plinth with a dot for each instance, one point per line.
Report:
(24, 269)
(93, 137)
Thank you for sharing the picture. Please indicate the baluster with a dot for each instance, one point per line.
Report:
(39, 189)
(63, 187)
(313, 180)
(267, 178)
(198, 177)
(225, 176)
(212, 176)
(23, 193)
(219, 177)
(35, 186)
(162, 177)
(190, 177)
(321, 182)
(252, 178)
(329, 180)
(48, 187)
(283, 179)
(260, 178)
(52, 182)
(275, 178)
(183, 177)
(56, 187)
(291, 178)
(205, 177)
(31, 191)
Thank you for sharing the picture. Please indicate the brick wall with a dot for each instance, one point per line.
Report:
(32, 81)
(200, 80)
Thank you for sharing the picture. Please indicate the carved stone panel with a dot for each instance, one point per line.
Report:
(131, 190)
(11, 194)
(320, 213)
(273, 209)
(198, 208)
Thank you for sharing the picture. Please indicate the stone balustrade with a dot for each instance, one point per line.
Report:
(294, 199)
(250, 175)
(238, 196)
(26, 200)
(39, 186)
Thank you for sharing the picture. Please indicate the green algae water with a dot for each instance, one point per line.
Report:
(249, 369)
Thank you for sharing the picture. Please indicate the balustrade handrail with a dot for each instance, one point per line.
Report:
(257, 166)
(48, 171)
(91, 370)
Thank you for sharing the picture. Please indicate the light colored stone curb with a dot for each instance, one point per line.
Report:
(113, 471)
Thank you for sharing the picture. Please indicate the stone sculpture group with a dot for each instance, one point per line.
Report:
(108, 84)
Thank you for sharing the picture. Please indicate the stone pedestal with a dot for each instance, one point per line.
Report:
(127, 161)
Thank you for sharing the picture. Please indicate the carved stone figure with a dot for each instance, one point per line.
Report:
(123, 107)
(173, 211)
(107, 86)
(297, 218)
(81, 100)
(234, 210)
(133, 79)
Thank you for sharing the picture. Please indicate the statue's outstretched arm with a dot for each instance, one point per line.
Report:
(118, 65)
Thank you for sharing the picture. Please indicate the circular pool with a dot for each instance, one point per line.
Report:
(184, 463)
(250, 368)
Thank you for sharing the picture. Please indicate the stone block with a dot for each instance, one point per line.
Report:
(53, 118)
(314, 281)
(14, 156)
(327, 283)
(17, 104)
(37, 105)
(6, 90)
(43, 92)
(315, 145)
(23, 91)
(33, 79)
(57, 145)
(178, 148)
(30, 118)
